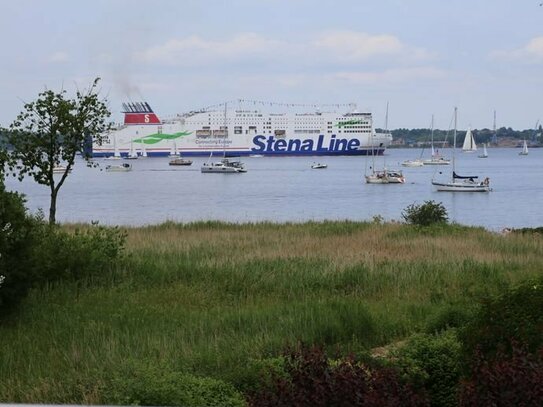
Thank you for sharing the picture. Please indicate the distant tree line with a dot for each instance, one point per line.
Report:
(412, 136)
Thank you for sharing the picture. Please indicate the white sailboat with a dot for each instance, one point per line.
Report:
(116, 154)
(485, 153)
(225, 166)
(461, 183)
(419, 162)
(133, 154)
(469, 145)
(524, 149)
(435, 157)
(384, 175)
(143, 150)
(174, 153)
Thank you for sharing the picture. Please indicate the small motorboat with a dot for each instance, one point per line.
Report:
(413, 163)
(318, 166)
(60, 169)
(180, 161)
(225, 166)
(119, 168)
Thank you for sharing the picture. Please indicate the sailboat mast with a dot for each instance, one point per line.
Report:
(454, 138)
(432, 135)
(386, 132)
(386, 119)
(225, 134)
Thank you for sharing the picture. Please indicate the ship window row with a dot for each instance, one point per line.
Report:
(303, 131)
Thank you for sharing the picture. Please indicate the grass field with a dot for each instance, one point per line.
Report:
(215, 299)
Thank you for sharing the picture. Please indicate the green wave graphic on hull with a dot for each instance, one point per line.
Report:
(158, 137)
(349, 123)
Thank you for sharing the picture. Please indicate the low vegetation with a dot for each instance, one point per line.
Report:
(203, 312)
(426, 214)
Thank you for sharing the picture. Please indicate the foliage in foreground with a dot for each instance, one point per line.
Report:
(33, 253)
(513, 316)
(151, 384)
(514, 379)
(17, 242)
(425, 214)
(432, 363)
(311, 379)
(214, 298)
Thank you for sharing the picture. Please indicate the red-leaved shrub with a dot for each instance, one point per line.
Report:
(310, 379)
(514, 379)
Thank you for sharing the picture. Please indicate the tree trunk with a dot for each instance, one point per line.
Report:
(53, 207)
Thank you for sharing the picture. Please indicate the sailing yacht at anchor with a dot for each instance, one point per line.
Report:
(383, 176)
(225, 166)
(461, 183)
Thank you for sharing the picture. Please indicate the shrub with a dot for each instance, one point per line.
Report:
(310, 379)
(507, 380)
(86, 252)
(452, 316)
(32, 252)
(426, 214)
(149, 384)
(17, 242)
(515, 315)
(433, 363)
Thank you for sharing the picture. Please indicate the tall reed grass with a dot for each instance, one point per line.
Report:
(215, 299)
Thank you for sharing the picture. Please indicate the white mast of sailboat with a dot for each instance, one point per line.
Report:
(454, 143)
(116, 152)
(143, 150)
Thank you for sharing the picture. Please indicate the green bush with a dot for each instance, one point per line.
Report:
(426, 214)
(515, 315)
(18, 238)
(84, 253)
(150, 384)
(33, 252)
(433, 363)
(451, 316)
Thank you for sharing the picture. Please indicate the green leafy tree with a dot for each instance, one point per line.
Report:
(50, 131)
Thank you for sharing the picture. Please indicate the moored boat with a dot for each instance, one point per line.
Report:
(413, 163)
(459, 183)
(180, 161)
(225, 166)
(385, 176)
(125, 167)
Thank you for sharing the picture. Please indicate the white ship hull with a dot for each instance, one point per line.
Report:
(244, 133)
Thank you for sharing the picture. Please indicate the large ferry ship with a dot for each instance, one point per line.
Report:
(242, 132)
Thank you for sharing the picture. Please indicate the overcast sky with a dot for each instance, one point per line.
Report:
(422, 56)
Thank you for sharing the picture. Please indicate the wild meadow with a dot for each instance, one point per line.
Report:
(223, 300)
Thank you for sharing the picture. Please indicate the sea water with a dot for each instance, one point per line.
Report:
(286, 189)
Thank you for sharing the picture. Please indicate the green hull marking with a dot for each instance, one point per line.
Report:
(158, 137)
(349, 123)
